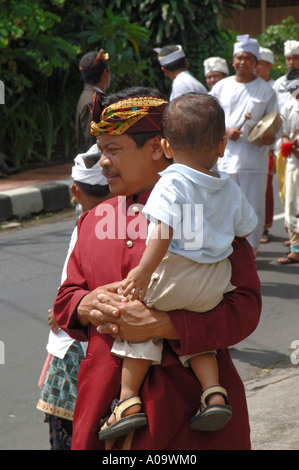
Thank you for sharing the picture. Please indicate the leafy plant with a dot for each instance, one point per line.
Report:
(274, 38)
(42, 40)
(122, 39)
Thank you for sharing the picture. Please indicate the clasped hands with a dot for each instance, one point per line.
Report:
(122, 317)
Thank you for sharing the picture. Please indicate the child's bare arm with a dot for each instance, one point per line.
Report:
(139, 277)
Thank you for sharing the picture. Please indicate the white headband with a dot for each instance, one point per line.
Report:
(215, 64)
(267, 55)
(92, 175)
(170, 58)
(247, 44)
(291, 47)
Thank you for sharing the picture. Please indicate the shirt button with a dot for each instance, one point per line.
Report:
(135, 209)
(129, 243)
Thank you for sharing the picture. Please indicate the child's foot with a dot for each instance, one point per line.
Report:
(125, 417)
(214, 411)
(131, 410)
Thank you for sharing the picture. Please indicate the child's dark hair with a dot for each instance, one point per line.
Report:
(94, 190)
(194, 121)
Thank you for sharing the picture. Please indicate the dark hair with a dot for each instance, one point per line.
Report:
(142, 138)
(177, 64)
(194, 121)
(94, 190)
(86, 63)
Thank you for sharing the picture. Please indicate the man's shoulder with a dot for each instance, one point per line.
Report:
(263, 88)
(186, 77)
(279, 80)
(224, 83)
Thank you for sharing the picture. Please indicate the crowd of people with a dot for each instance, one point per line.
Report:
(138, 352)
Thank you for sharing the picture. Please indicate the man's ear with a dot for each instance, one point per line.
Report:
(157, 147)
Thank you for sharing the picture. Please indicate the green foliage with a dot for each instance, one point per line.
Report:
(274, 38)
(122, 39)
(29, 44)
(196, 24)
(42, 41)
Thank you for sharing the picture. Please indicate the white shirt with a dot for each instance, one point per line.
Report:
(184, 83)
(257, 98)
(290, 127)
(281, 88)
(59, 343)
(205, 212)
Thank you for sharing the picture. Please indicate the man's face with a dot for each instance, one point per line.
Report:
(292, 61)
(244, 64)
(128, 169)
(263, 69)
(213, 77)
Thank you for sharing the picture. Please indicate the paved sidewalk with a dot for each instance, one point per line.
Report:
(34, 191)
(273, 403)
(273, 397)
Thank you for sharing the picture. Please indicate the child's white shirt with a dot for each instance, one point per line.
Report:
(205, 212)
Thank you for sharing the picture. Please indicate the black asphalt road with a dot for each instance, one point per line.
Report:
(31, 264)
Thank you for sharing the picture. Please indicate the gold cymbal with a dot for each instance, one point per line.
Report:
(271, 123)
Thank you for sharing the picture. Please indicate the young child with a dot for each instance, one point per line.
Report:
(194, 214)
(58, 381)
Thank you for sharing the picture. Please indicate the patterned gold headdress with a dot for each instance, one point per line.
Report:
(131, 116)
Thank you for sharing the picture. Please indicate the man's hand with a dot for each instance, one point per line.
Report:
(135, 321)
(123, 318)
(91, 304)
(267, 139)
(232, 133)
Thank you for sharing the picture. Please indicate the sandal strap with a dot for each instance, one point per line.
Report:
(213, 390)
(119, 407)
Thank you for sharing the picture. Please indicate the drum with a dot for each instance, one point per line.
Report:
(271, 123)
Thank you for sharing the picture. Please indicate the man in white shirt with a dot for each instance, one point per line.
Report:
(291, 53)
(175, 66)
(240, 94)
(265, 65)
(263, 70)
(290, 134)
(215, 69)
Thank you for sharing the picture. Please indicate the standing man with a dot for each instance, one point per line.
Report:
(215, 70)
(281, 86)
(265, 65)
(263, 70)
(111, 240)
(96, 76)
(175, 66)
(241, 94)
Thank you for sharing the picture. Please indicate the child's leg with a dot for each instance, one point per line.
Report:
(205, 368)
(133, 374)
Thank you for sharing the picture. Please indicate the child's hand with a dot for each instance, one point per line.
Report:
(137, 280)
(51, 321)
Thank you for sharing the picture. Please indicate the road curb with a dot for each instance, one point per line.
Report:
(29, 200)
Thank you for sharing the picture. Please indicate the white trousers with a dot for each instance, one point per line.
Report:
(254, 186)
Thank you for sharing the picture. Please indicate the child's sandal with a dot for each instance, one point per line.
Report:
(211, 417)
(123, 424)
